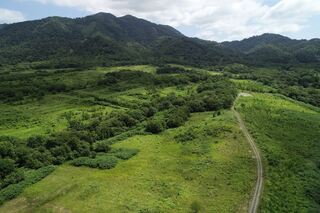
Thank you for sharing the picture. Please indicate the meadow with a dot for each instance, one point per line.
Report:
(213, 172)
(151, 139)
(188, 145)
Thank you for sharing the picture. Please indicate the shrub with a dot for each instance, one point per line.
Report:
(185, 136)
(82, 161)
(6, 149)
(106, 162)
(12, 178)
(102, 147)
(35, 141)
(6, 167)
(196, 106)
(151, 111)
(155, 126)
(101, 162)
(31, 177)
(177, 116)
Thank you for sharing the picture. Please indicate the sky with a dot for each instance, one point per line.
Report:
(218, 20)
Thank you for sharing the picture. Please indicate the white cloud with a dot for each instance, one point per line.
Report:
(214, 19)
(10, 16)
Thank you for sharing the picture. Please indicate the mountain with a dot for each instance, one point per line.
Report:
(249, 44)
(273, 48)
(103, 38)
(2, 26)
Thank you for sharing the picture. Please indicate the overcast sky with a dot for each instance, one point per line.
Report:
(217, 20)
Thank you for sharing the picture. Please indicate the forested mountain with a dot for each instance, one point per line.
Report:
(2, 26)
(273, 48)
(104, 39)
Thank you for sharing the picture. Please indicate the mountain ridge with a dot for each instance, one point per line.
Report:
(103, 38)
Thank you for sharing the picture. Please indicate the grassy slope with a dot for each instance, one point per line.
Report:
(288, 134)
(214, 171)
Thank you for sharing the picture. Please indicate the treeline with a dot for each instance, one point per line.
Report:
(299, 83)
(19, 86)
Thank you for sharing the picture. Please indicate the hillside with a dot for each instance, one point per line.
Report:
(273, 48)
(103, 39)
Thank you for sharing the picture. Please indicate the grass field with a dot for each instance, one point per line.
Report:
(213, 172)
(288, 134)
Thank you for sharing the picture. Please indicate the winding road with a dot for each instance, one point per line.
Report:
(256, 196)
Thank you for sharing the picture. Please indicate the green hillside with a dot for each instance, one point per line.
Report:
(287, 133)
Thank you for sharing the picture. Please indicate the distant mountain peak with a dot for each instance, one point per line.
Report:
(103, 14)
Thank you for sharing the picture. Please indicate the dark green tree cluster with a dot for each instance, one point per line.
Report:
(299, 83)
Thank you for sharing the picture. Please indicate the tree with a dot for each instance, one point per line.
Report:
(6, 167)
(155, 126)
(6, 149)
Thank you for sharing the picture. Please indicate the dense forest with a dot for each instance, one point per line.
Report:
(103, 39)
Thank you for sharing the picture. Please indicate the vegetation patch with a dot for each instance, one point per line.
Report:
(287, 133)
(100, 162)
(166, 175)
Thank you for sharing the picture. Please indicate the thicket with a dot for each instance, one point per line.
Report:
(299, 83)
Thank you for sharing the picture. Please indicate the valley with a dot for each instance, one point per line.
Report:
(119, 114)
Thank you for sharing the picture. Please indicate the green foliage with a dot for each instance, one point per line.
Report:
(97, 108)
(101, 162)
(287, 134)
(31, 177)
(12, 178)
(102, 146)
(7, 166)
(165, 176)
(155, 126)
(276, 49)
(177, 116)
(186, 136)
(299, 83)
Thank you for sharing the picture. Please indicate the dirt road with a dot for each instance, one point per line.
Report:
(256, 196)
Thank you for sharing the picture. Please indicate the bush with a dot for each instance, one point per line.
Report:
(31, 177)
(102, 147)
(149, 112)
(196, 106)
(6, 167)
(177, 116)
(6, 149)
(82, 161)
(35, 141)
(155, 126)
(106, 162)
(12, 178)
(101, 162)
(185, 136)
